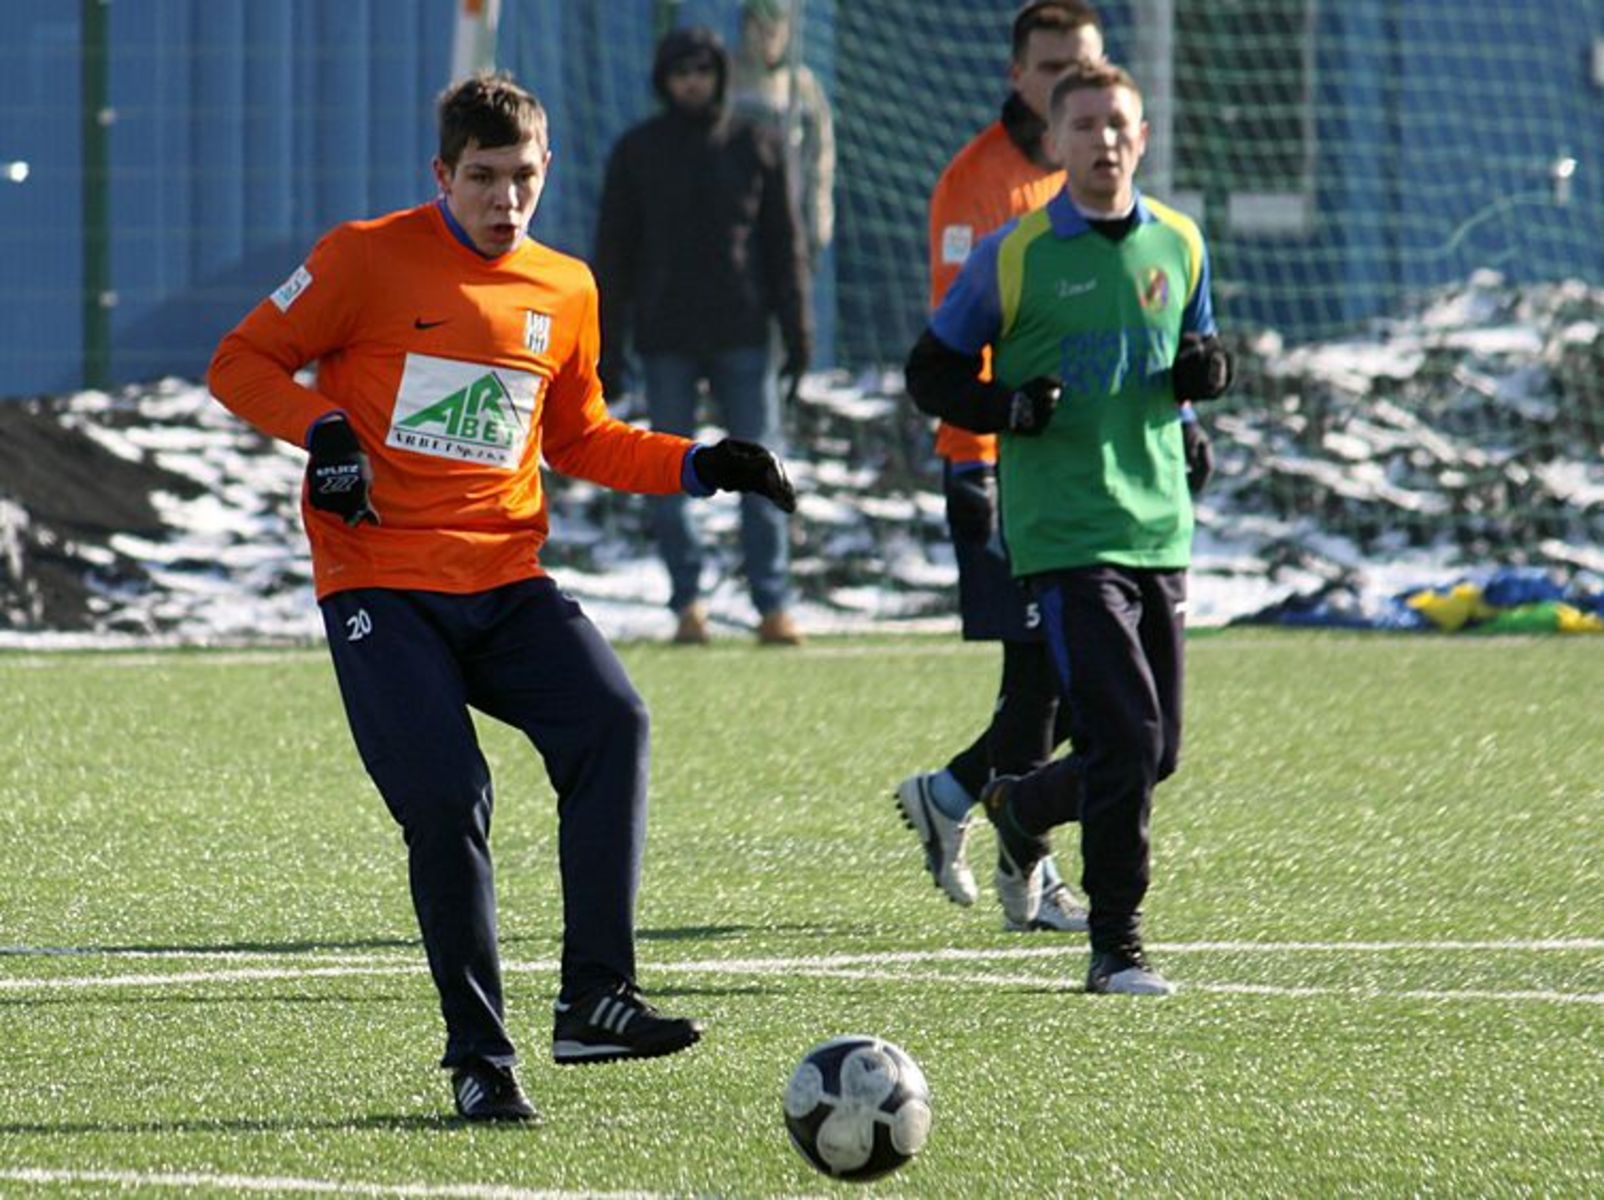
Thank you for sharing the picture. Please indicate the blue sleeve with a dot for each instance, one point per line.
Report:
(1199, 315)
(690, 483)
(970, 314)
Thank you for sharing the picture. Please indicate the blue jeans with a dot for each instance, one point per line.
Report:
(743, 386)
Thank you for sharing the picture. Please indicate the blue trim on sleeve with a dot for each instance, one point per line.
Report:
(970, 314)
(1198, 316)
(690, 483)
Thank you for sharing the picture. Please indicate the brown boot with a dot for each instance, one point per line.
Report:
(692, 628)
(778, 629)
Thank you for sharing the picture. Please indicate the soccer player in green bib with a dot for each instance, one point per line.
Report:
(1097, 310)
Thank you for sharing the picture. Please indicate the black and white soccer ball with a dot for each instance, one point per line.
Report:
(857, 1107)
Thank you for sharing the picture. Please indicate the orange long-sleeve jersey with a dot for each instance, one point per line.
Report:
(457, 373)
(987, 183)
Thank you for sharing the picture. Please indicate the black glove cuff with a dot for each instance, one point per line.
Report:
(333, 437)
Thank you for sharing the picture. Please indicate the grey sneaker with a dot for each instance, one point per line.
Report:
(1124, 971)
(943, 838)
(1019, 857)
(1059, 911)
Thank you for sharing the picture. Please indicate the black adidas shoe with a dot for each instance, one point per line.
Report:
(615, 1023)
(486, 1092)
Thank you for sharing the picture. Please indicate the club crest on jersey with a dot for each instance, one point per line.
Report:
(537, 331)
(1154, 290)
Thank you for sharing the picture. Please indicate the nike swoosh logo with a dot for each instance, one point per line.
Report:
(420, 323)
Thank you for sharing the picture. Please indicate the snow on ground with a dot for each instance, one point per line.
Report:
(1465, 436)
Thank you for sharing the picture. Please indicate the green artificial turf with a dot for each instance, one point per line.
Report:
(1377, 880)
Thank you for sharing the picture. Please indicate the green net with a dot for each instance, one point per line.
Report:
(1343, 159)
(1406, 222)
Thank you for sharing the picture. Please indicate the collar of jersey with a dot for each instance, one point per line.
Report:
(461, 235)
(1067, 221)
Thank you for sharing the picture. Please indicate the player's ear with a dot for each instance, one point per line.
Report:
(442, 174)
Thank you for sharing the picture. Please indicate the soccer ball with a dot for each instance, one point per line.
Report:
(857, 1107)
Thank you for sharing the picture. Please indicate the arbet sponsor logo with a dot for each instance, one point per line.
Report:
(462, 410)
(477, 413)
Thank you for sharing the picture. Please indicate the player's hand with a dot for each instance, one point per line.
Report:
(1031, 407)
(1199, 456)
(791, 372)
(339, 477)
(1203, 368)
(734, 465)
(972, 503)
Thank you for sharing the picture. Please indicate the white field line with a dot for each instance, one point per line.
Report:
(1073, 984)
(405, 954)
(235, 1184)
(170, 656)
(891, 967)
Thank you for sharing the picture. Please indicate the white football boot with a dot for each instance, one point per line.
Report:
(1058, 910)
(944, 839)
(1020, 858)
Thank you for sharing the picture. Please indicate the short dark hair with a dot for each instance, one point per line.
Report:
(488, 108)
(1060, 16)
(1082, 76)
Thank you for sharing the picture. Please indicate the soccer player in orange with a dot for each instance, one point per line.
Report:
(1003, 172)
(452, 351)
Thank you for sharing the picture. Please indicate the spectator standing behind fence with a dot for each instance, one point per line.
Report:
(452, 352)
(767, 87)
(698, 255)
(1098, 313)
(1003, 172)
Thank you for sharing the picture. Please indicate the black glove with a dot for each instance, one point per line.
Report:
(972, 503)
(339, 476)
(791, 372)
(1031, 407)
(1202, 369)
(737, 466)
(1199, 456)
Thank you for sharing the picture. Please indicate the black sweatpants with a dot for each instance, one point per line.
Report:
(410, 664)
(1116, 635)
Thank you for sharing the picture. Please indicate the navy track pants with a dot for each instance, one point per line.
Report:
(410, 665)
(1117, 639)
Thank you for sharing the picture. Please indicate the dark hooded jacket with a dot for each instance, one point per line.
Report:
(698, 243)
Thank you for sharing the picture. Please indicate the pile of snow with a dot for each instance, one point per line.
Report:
(1465, 436)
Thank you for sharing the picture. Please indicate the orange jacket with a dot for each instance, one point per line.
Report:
(457, 373)
(987, 183)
